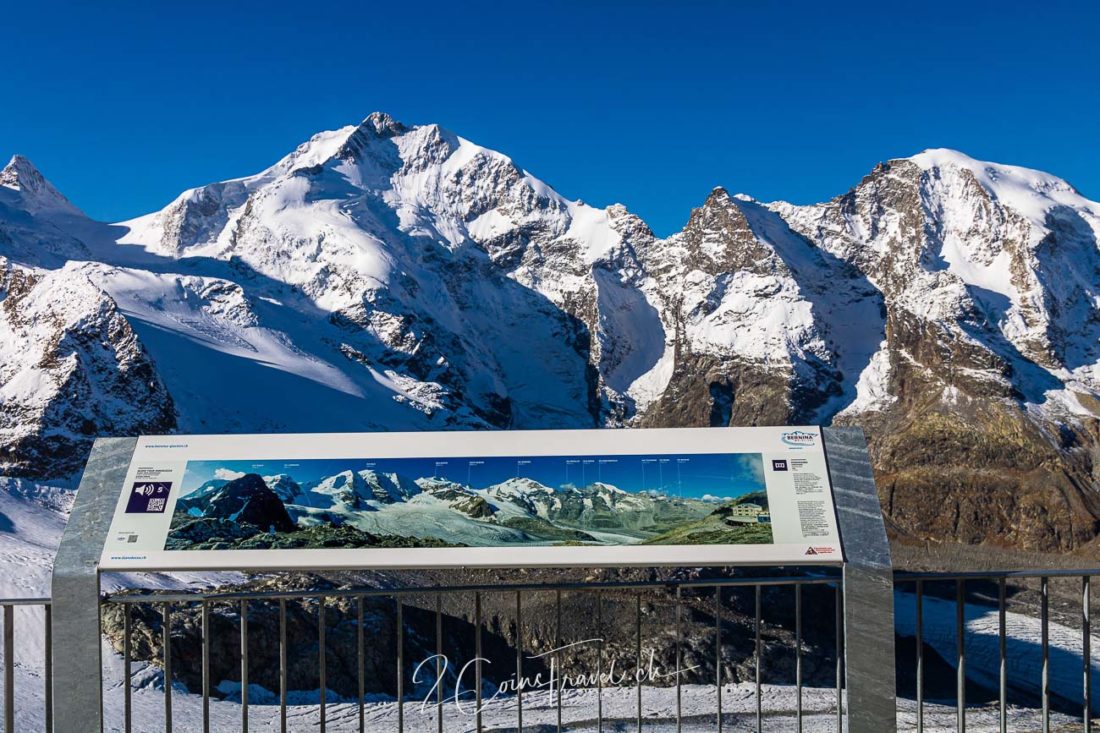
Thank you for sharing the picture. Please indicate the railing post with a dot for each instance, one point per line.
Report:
(920, 656)
(77, 684)
(1002, 654)
(1086, 650)
(868, 585)
(1044, 645)
(9, 668)
(960, 655)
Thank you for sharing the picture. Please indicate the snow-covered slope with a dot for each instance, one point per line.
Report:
(71, 368)
(384, 276)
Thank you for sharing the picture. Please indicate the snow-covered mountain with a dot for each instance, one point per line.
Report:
(388, 507)
(384, 276)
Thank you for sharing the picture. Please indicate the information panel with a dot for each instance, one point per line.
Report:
(685, 496)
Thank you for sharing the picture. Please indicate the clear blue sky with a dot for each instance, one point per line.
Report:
(123, 105)
(695, 475)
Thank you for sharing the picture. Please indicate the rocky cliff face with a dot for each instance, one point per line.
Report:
(383, 276)
(983, 415)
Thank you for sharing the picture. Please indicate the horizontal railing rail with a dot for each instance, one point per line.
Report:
(163, 596)
(909, 575)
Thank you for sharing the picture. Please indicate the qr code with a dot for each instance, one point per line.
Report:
(148, 497)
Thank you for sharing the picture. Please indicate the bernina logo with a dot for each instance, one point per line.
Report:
(798, 437)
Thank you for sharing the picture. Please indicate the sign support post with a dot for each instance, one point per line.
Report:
(77, 664)
(868, 585)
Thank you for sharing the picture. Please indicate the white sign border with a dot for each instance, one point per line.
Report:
(462, 444)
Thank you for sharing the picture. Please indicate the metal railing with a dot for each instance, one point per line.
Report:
(920, 581)
(9, 606)
(987, 589)
(677, 592)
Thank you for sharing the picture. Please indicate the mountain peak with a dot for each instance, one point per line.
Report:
(1019, 176)
(718, 200)
(345, 143)
(604, 486)
(942, 158)
(15, 166)
(37, 194)
(377, 126)
(1029, 191)
(382, 125)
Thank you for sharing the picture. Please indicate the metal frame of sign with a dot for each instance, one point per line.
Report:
(859, 530)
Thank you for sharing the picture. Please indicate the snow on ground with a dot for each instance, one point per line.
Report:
(1023, 648)
(32, 518)
(579, 711)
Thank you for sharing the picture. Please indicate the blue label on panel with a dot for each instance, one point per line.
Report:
(148, 497)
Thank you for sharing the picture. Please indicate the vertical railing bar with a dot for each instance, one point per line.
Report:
(839, 644)
(638, 651)
(798, 654)
(48, 610)
(679, 661)
(1086, 650)
(920, 656)
(360, 651)
(519, 661)
(400, 663)
(1044, 612)
(718, 650)
(477, 659)
(205, 666)
(439, 661)
(1002, 651)
(322, 665)
(166, 639)
(557, 645)
(599, 661)
(244, 666)
(960, 643)
(9, 668)
(127, 669)
(283, 672)
(758, 661)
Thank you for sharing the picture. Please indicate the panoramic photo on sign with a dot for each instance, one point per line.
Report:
(559, 497)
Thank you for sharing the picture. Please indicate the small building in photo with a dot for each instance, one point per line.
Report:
(747, 510)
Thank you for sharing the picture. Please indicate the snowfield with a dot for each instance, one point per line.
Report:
(579, 707)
